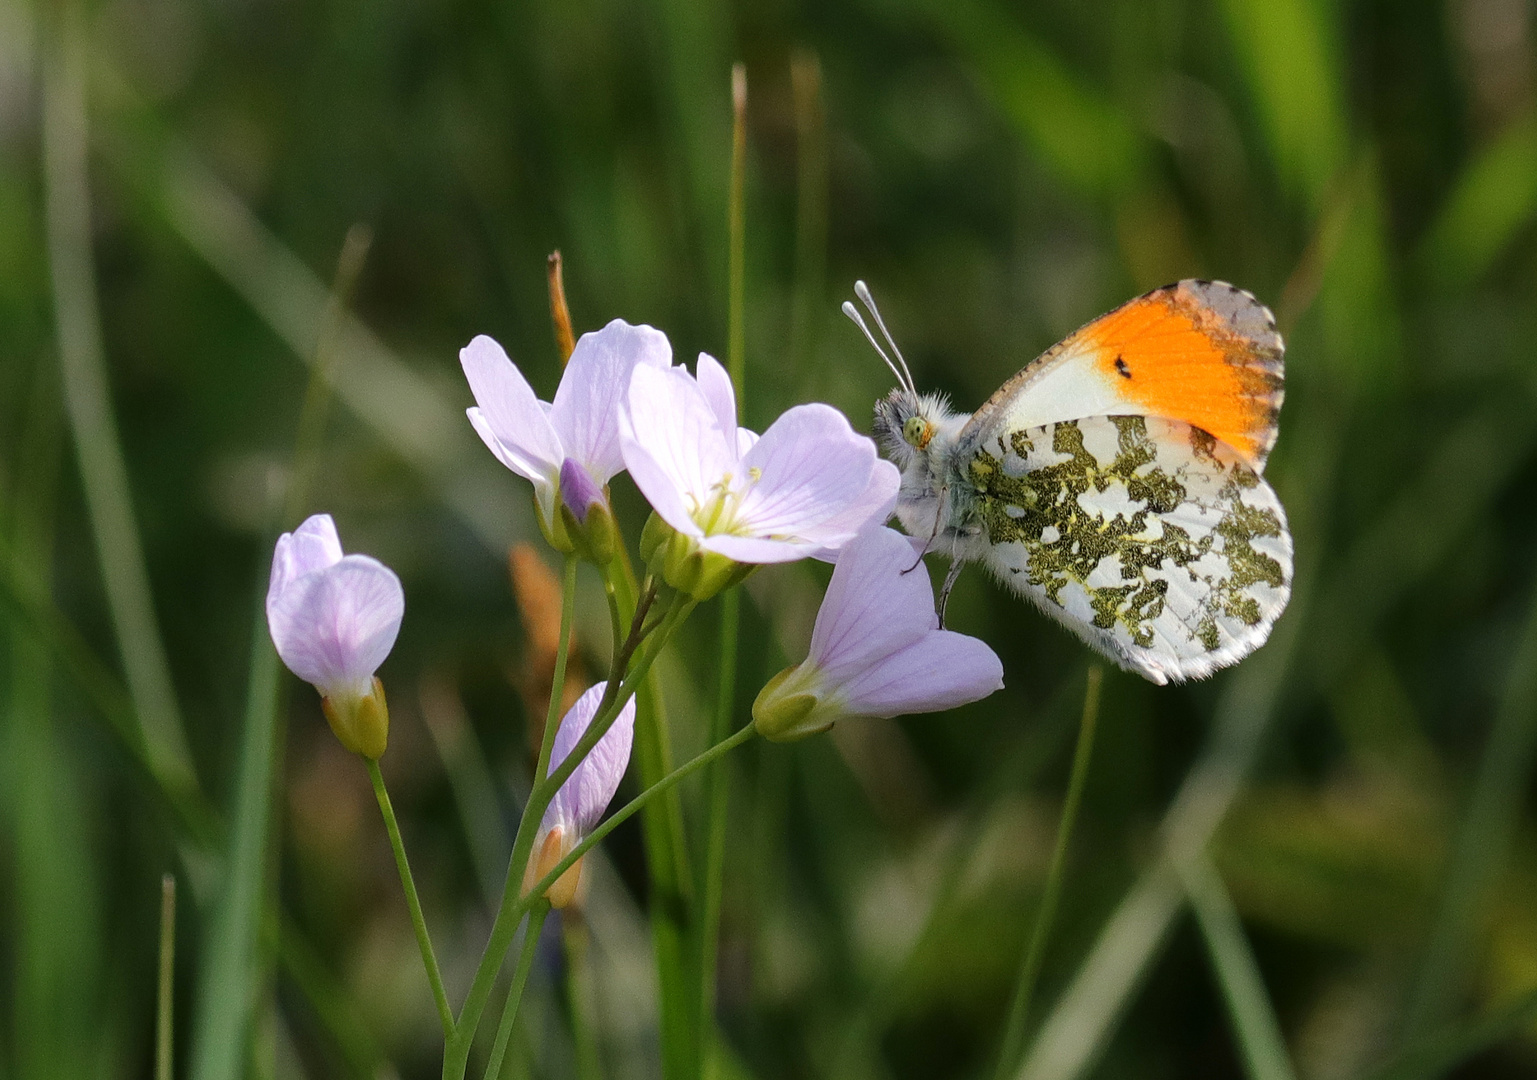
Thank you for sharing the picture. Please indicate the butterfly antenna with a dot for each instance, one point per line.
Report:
(862, 291)
(853, 313)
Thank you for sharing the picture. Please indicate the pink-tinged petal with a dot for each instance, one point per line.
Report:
(511, 422)
(808, 467)
(757, 549)
(715, 384)
(579, 804)
(673, 447)
(334, 627)
(939, 672)
(874, 507)
(313, 546)
(585, 412)
(879, 602)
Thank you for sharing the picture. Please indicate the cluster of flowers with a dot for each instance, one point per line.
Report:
(726, 501)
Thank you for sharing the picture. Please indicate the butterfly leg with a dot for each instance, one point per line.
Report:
(944, 591)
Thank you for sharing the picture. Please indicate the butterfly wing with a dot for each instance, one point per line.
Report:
(1203, 352)
(1160, 545)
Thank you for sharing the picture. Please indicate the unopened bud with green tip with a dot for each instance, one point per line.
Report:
(877, 649)
(333, 619)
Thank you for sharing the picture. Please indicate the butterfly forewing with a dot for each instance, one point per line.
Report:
(1158, 544)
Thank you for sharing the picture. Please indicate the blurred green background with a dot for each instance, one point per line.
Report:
(177, 183)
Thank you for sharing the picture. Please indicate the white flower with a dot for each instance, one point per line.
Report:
(807, 486)
(877, 649)
(333, 619)
(536, 440)
(579, 804)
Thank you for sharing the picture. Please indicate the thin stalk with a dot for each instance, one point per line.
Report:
(717, 804)
(1253, 1016)
(558, 681)
(536, 919)
(668, 866)
(509, 912)
(163, 1000)
(579, 997)
(413, 902)
(1019, 1010)
(88, 402)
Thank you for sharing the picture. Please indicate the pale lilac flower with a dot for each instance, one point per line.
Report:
(808, 485)
(581, 800)
(877, 649)
(580, 427)
(333, 619)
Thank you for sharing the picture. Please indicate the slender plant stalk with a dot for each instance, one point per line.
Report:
(718, 798)
(670, 904)
(558, 679)
(579, 998)
(87, 399)
(163, 999)
(457, 1049)
(1484, 839)
(231, 963)
(1249, 1008)
(1019, 1010)
(413, 902)
(536, 919)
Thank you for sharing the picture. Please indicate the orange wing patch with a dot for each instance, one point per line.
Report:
(1203, 352)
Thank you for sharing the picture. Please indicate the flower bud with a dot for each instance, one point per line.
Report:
(790, 707)
(552, 849)
(679, 560)
(361, 723)
(585, 517)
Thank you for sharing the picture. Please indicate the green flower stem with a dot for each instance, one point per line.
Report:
(413, 902)
(558, 680)
(1014, 1034)
(515, 991)
(457, 1051)
(668, 866)
(717, 809)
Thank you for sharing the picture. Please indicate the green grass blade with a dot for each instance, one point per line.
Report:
(164, 999)
(1243, 989)
(1290, 56)
(1483, 842)
(1437, 1054)
(87, 395)
(1489, 203)
(56, 934)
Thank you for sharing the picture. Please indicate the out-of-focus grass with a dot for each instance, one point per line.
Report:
(999, 174)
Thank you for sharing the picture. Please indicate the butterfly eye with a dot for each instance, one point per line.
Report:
(917, 431)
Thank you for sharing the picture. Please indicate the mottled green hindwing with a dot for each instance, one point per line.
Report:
(1151, 539)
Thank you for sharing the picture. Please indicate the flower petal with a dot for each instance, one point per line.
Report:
(585, 412)
(715, 384)
(672, 445)
(758, 549)
(809, 466)
(313, 546)
(874, 507)
(334, 627)
(879, 602)
(581, 800)
(943, 670)
(511, 420)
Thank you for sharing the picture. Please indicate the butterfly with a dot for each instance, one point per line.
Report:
(1118, 480)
